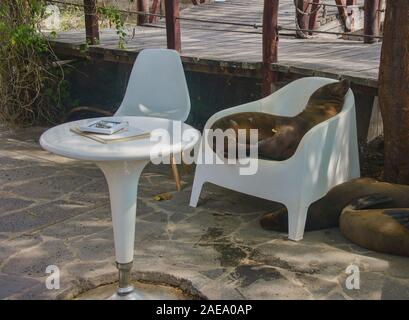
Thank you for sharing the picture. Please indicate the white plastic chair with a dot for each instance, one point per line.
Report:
(326, 156)
(157, 88)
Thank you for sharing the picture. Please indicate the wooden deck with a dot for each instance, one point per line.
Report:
(249, 12)
(230, 49)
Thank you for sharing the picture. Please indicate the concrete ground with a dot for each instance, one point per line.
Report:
(55, 211)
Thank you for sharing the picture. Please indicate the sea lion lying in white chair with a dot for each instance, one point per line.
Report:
(279, 137)
(326, 148)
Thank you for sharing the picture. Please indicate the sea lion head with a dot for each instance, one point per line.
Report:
(333, 91)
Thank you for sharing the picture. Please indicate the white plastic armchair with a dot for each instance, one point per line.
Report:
(157, 87)
(326, 156)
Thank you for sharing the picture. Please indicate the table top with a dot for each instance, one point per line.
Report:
(62, 141)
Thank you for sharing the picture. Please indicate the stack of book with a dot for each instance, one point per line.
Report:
(108, 131)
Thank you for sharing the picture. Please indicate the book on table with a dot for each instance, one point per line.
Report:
(121, 131)
(103, 126)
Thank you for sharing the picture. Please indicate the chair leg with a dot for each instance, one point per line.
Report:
(297, 216)
(196, 190)
(186, 167)
(175, 173)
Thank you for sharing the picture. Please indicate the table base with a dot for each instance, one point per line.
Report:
(125, 289)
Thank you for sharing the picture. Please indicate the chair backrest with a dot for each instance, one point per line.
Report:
(157, 87)
(292, 99)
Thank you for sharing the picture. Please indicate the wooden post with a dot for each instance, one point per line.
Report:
(270, 44)
(154, 9)
(142, 6)
(314, 15)
(173, 25)
(342, 11)
(303, 19)
(381, 15)
(91, 22)
(371, 24)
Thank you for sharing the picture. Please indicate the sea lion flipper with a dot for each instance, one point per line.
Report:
(400, 215)
(369, 201)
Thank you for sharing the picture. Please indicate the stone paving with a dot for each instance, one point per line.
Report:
(55, 211)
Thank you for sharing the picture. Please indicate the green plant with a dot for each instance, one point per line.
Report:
(31, 82)
(114, 16)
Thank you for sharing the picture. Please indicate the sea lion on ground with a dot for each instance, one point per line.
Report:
(372, 214)
(279, 137)
(324, 213)
(382, 230)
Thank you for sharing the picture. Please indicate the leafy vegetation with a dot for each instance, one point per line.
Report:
(113, 15)
(31, 82)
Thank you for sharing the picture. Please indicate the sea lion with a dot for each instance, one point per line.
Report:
(324, 213)
(279, 137)
(372, 214)
(382, 230)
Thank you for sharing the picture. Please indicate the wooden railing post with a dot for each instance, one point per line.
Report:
(270, 44)
(371, 23)
(154, 9)
(142, 6)
(314, 15)
(173, 25)
(91, 21)
(303, 19)
(342, 11)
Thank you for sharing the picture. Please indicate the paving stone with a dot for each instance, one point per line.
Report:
(95, 247)
(395, 289)
(213, 273)
(89, 170)
(319, 288)
(50, 187)
(92, 222)
(11, 285)
(33, 262)
(278, 288)
(41, 215)
(156, 217)
(26, 173)
(371, 286)
(9, 203)
(147, 231)
(15, 160)
(217, 249)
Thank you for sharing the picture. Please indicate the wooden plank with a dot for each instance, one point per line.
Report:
(173, 25)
